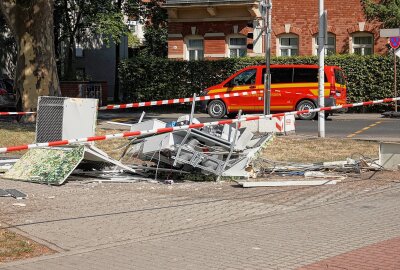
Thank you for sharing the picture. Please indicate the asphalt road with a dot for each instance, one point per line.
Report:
(357, 126)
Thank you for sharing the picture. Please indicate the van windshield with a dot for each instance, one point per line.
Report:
(339, 77)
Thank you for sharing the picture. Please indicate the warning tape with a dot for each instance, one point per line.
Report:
(179, 100)
(185, 127)
(15, 113)
(160, 102)
(172, 101)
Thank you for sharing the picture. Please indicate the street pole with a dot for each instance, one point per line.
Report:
(321, 72)
(267, 76)
(395, 80)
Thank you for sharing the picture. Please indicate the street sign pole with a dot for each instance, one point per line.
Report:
(321, 73)
(267, 76)
(394, 41)
(395, 80)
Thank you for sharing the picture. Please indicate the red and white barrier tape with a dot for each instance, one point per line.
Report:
(15, 113)
(162, 102)
(172, 101)
(171, 129)
(179, 100)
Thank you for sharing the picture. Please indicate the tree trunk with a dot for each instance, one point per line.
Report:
(31, 22)
(117, 61)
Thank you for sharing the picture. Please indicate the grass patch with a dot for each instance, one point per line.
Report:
(15, 134)
(305, 150)
(14, 246)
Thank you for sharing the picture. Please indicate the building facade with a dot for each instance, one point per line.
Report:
(215, 29)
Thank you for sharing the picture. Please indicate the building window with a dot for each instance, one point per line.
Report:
(195, 49)
(80, 74)
(362, 44)
(237, 46)
(78, 51)
(288, 45)
(330, 48)
(132, 25)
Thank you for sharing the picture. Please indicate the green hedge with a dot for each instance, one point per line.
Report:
(143, 79)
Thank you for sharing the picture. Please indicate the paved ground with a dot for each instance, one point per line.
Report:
(210, 225)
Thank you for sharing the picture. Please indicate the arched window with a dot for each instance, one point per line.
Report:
(237, 45)
(362, 43)
(330, 47)
(194, 48)
(288, 45)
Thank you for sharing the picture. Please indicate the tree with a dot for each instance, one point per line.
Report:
(154, 17)
(8, 52)
(385, 11)
(84, 22)
(31, 24)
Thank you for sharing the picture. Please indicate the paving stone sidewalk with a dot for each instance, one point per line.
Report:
(206, 226)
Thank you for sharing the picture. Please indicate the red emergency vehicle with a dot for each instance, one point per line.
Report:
(293, 87)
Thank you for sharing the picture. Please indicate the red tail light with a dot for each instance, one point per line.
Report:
(3, 92)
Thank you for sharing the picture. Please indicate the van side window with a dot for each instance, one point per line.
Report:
(280, 75)
(247, 77)
(302, 75)
(306, 75)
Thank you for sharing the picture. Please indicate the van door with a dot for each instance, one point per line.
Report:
(281, 78)
(243, 82)
(341, 87)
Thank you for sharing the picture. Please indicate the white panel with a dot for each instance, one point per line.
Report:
(79, 119)
(389, 155)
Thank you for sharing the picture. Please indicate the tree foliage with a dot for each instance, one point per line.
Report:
(385, 11)
(154, 17)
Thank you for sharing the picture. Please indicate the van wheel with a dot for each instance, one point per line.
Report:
(216, 109)
(306, 105)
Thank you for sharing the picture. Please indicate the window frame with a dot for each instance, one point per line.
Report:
(187, 49)
(288, 47)
(236, 47)
(327, 46)
(362, 46)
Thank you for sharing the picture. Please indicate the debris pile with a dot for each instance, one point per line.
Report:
(218, 150)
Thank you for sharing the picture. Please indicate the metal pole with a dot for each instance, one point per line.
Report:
(192, 110)
(267, 76)
(321, 73)
(395, 80)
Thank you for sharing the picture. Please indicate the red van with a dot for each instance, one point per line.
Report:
(293, 87)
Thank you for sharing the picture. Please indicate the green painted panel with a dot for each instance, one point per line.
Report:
(46, 165)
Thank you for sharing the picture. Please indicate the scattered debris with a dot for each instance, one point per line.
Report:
(12, 193)
(19, 204)
(16, 194)
(391, 114)
(288, 183)
(218, 150)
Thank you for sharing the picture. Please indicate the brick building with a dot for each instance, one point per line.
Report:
(215, 29)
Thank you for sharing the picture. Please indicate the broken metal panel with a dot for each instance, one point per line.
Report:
(46, 165)
(16, 194)
(61, 118)
(4, 193)
(148, 125)
(94, 154)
